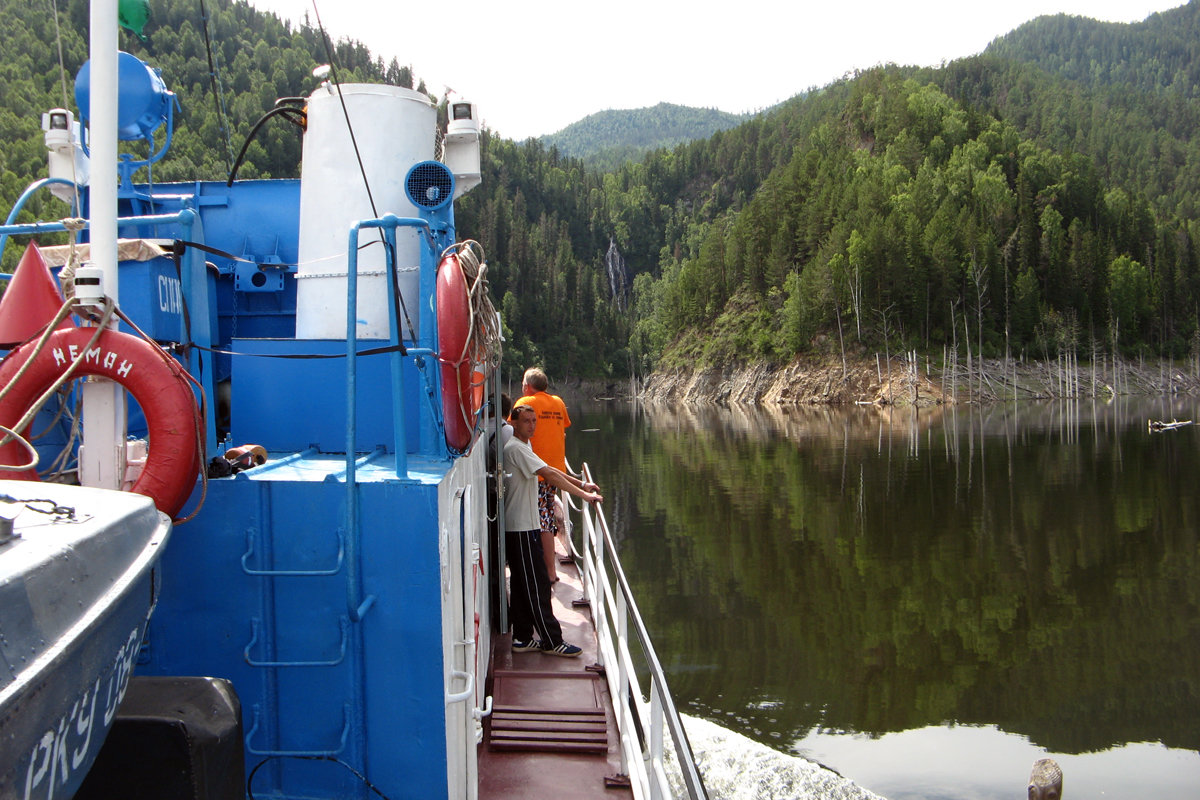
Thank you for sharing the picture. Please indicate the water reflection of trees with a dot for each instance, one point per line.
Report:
(882, 570)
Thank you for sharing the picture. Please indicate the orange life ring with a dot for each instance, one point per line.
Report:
(462, 386)
(156, 381)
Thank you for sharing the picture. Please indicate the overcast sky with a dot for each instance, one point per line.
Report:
(535, 67)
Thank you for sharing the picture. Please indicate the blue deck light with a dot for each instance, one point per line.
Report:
(143, 103)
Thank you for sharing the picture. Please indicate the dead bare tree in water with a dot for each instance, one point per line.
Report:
(967, 343)
(953, 366)
(1115, 329)
(1095, 356)
(1068, 337)
(837, 310)
(1196, 350)
(914, 375)
(1009, 363)
(883, 315)
(979, 277)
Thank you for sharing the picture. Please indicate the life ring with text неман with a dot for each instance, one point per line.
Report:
(157, 382)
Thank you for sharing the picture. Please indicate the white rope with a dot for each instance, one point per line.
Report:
(9, 436)
(482, 345)
(66, 276)
(12, 435)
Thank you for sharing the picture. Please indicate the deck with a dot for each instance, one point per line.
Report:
(552, 729)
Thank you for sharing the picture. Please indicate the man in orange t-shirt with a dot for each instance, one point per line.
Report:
(549, 442)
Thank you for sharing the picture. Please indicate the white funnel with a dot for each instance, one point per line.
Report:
(394, 128)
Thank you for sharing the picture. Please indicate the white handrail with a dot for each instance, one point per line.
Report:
(614, 611)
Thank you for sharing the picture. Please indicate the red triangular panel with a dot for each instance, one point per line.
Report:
(30, 301)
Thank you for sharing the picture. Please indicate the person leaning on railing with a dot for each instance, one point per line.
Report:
(549, 442)
(530, 585)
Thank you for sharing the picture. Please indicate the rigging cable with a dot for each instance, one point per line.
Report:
(218, 97)
(62, 77)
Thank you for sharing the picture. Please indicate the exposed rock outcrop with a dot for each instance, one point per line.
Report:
(798, 383)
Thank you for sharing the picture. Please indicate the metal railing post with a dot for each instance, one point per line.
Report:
(656, 738)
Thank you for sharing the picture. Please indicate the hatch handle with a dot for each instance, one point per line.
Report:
(465, 694)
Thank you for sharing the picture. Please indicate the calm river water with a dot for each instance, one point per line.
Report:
(924, 601)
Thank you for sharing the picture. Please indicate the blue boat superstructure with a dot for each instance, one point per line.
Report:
(345, 585)
(327, 584)
(334, 585)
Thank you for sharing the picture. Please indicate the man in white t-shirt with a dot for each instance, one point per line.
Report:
(529, 597)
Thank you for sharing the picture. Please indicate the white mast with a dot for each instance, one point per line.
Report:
(102, 456)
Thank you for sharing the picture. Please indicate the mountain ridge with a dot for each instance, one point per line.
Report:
(605, 139)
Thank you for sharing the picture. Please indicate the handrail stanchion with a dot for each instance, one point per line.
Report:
(624, 666)
(601, 578)
(656, 738)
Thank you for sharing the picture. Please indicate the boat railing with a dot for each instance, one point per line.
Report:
(646, 720)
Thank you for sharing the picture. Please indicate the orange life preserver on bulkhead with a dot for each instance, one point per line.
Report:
(462, 385)
(157, 382)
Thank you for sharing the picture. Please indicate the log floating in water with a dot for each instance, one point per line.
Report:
(1159, 425)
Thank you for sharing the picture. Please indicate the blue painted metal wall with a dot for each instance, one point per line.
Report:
(252, 220)
(289, 404)
(312, 682)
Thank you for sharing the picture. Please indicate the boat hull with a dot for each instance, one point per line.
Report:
(76, 595)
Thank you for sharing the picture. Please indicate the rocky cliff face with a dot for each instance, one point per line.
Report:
(798, 383)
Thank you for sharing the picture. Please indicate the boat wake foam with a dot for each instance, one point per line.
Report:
(735, 767)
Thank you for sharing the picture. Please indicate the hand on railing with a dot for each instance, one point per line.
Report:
(594, 491)
(570, 484)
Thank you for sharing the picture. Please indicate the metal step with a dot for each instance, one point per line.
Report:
(538, 730)
(547, 711)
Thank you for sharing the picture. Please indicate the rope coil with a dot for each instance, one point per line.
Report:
(483, 342)
(481, 346)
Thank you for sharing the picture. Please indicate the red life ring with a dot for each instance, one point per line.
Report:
(156, 381)
(462, 386)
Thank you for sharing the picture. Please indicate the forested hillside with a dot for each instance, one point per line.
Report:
(1050, 214)
(1006, 198)
(607, 139)
(1160, 56)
